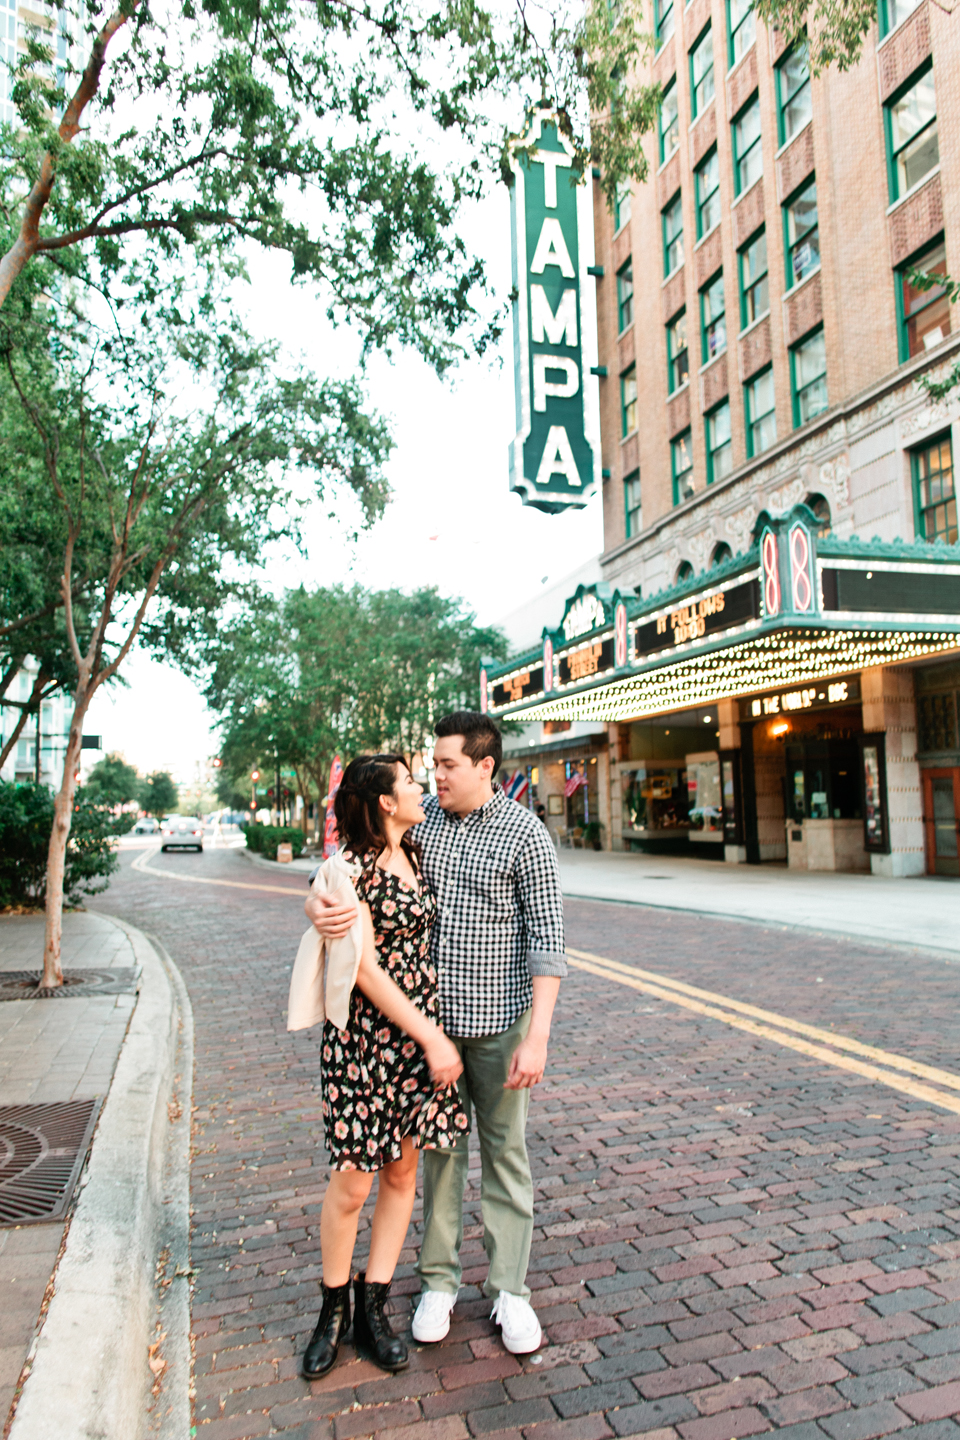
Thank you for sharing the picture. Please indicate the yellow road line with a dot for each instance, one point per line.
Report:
(767, 1032)
(842, 1042)
(141, 864)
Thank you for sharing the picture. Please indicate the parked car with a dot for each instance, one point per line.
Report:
(181, 832)
(146, 826)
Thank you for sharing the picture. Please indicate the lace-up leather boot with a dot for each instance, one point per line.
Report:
(333, 1324)
(371, 1328)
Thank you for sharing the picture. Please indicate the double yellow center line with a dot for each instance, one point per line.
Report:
(887, 1068)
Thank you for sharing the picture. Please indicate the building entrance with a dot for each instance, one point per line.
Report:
(941, 815)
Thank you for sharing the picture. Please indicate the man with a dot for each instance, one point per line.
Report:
(499, 950)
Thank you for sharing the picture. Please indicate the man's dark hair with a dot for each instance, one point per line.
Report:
(479, 734)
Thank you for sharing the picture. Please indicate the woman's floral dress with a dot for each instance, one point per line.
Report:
(376, 1081)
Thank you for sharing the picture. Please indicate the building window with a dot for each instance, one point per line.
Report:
(628, 400)
(821, 510)
(801, 234)
(747, 149)
(924, 314)
(681, 465)
(701, 73)
(621, 205)
(631, 504)
(892, 12)
(708, 194)
(713, 320)
(754, 283)
(625, 295)
(808, 377)
(664, 17)
(761, 415)
(684, 572)
(669, 122)
(719, 449)
(721, 553)
(678, 362)
(742, 28)
(913, 146)
(935, 491)
(794, 106)
(673, 236)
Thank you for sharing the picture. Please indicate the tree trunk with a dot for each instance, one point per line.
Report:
(59, 835)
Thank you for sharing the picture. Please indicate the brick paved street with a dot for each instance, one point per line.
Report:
(732, 1238)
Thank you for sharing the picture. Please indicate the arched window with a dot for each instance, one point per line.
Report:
(721, 552)
(821, 509)
(684, 572)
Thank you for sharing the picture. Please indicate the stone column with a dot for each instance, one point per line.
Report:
(613, 817)
(728, 723)
(889, 706)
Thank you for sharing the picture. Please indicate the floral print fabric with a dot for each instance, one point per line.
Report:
(376, 1081)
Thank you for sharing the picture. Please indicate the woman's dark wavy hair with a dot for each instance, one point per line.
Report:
(356, 804)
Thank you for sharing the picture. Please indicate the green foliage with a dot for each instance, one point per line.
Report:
(26, 815)
(836, 29)
(158, 794)
(113, 782)
(264, 839)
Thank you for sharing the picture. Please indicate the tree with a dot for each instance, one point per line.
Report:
(113, 782)
(158, 795)
(26, 816)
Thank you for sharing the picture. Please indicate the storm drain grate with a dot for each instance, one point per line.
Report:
(42, 1149)
(25, 984)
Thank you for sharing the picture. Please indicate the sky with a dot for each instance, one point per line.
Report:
(452, 521)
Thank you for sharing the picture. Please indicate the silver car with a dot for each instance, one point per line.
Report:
(181, 832)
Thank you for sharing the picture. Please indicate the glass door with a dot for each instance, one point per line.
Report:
(942, 820)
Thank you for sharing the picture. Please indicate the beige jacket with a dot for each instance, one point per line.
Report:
(325, 971)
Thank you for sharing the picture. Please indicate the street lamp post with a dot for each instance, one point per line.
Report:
(254, 776)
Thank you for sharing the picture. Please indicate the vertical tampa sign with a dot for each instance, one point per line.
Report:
(553, 461)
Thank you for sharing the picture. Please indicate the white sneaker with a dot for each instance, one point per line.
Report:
(519, 1326)
(432, 1319)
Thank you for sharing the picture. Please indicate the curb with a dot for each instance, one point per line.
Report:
(275, 865)
(90, 1378)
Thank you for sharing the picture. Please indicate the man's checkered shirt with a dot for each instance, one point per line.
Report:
(500, 919)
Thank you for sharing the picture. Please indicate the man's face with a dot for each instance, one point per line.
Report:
(462, 787)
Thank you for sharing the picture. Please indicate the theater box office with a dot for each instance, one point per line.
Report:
(799, 703)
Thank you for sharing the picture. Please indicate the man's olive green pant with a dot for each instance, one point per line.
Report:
(506, 1186)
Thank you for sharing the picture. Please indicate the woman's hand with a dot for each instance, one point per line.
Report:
(443, 1057)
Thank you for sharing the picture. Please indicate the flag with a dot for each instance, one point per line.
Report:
(516, 786)
(330, 829)
(573, 784)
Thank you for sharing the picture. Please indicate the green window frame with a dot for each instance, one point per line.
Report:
(664, 19)
(681, 467)
(669, 121)
(911, 130)
(678, 353)
(892, 13)
(628, 401)
(935, 491)
(760, 404)
(747, 146)
(741, 29)
(754, 279)
(672, 219)
(719, 442)
(923, 316)
(808, 377)
(632, 507)
(794, 100)
(801, 233)
(702, 85)
(713, 319)
(625, 296)
(707, 184)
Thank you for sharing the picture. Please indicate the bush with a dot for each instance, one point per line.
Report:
(264, 839)
(26, 819)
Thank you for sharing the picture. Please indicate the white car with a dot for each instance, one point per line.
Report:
(146, 826)
(181, 832)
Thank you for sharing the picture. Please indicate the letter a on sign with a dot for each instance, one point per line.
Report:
(554, 463)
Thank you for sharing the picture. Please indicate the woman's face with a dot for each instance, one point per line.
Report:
(406, 796)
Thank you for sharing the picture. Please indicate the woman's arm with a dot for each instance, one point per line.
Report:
(441, 1054)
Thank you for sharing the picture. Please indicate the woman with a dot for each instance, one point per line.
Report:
(388, 1078)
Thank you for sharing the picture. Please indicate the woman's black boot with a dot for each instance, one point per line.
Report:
(372, 1334)
(333, 1324)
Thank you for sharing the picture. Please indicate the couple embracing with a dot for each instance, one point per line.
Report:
(457, 918)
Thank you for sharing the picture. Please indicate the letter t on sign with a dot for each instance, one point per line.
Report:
(550, 159)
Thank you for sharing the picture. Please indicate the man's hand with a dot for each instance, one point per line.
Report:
(327, 915)
(528, 1063)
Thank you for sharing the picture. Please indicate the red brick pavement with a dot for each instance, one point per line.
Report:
(731, 1238)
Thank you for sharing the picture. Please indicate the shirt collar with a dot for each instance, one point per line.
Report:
(485, 812)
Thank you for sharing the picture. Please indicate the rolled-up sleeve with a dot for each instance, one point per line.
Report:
(541, 903)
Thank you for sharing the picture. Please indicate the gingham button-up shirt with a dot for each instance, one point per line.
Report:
(500, 911)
